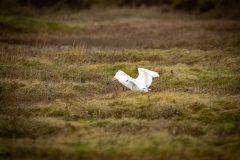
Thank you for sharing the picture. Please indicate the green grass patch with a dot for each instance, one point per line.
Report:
(33, 25)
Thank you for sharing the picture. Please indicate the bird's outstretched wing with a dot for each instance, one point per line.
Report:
(151, 73)
(146, 75)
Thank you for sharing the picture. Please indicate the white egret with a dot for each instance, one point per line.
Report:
(141, 83)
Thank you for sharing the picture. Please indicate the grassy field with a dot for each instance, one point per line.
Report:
(55, 103)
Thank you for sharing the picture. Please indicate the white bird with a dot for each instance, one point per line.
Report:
(141, 83)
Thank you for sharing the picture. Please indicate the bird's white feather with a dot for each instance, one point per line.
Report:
(142, 82)
(145, 75)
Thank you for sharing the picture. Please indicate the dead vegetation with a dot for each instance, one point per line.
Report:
(55, 103)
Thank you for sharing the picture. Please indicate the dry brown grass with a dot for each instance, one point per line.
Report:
(137, 29)
(55, 103)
